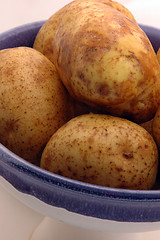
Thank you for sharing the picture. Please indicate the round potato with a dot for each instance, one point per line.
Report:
(33, 102)
(103, 150)
(105, 60)
(45, 37)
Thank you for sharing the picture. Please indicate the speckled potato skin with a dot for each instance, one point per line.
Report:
(116, 5)
(141, 108)
(108, 61)
(103, 150)
(45, 37)
(33, 102)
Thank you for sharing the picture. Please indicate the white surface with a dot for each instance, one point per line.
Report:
(15, 13)
(17, 221)
(60, 231)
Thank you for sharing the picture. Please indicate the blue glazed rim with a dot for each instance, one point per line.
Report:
(90, 200)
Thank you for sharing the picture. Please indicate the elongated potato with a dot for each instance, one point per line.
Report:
(45, 37)
(116, 5)
(105, 60)
(33, 102)
(103, 150)
(142, 108)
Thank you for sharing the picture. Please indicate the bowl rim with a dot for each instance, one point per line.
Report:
(50, 178)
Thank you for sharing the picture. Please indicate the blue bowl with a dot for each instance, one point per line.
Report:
(82, 199)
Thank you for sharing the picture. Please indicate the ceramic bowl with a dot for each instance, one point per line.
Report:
(70, 201)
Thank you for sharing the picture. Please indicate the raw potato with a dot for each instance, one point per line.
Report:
(141, 108)
(105, 60)
(33, 102)
(158, 55)
(45, 37)
(103, 150)
(156, 127)
(116, 5)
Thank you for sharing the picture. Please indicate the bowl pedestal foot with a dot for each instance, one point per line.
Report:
(17, 221)
(50, 229)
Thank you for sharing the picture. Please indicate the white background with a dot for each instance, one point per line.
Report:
(18, 12)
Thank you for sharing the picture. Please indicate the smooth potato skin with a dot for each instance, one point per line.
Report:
(158, 55)
(108, 61)
(45, 37)
(33, 102)
(103, 150)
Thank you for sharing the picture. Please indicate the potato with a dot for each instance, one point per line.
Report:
(156, 127)
(103, 150)
(106, 61)
(45, 37)
(141, 108)
(116, 5)
(33, 102)
(158, 55)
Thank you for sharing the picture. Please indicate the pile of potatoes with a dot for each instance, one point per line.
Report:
(84, 101)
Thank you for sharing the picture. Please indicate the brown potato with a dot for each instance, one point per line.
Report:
(105, 60)
(103, 150)
(141, 108)
(116, 5)
(45, 37)
(158, 55)
(156, 127)
(33, 102)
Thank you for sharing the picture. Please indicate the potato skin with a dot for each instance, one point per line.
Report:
(158, 55)
(103, 150)
(156, 127)
(33, 102)
(116, 5)
(142, 108)
(108, 61)
(45, 37)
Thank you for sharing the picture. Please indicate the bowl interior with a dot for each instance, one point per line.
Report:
(74, 196)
